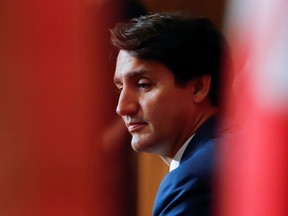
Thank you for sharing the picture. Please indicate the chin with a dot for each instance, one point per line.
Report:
(139, 145)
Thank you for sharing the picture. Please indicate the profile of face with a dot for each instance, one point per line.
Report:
(157, 112)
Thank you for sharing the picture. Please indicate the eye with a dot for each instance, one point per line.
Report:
(144, 84)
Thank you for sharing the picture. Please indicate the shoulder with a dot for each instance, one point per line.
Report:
(198, 166)
(187, 189)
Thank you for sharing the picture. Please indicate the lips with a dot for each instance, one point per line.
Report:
(135, 126)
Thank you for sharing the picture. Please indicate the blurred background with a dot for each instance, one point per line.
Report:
(63, 150)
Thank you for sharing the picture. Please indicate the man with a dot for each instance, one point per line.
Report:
(167, 72)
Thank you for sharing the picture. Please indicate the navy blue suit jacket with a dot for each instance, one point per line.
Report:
(187, 190)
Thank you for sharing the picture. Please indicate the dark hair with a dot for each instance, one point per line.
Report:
(188, 46)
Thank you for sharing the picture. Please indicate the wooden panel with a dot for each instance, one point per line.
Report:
(152, 169)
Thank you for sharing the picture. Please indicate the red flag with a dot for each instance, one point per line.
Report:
(255, 177)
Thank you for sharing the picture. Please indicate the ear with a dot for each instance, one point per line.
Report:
(201, 88)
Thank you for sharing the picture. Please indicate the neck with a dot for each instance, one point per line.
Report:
(167, 160)
(200, 121)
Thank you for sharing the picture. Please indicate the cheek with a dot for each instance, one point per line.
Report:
(160, 110)
(163, 106)
(153, 105)
(173, 111)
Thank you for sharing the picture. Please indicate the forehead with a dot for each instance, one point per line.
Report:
(127, 64)
(124, 58)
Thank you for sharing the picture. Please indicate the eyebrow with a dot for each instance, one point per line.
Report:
(131, 75)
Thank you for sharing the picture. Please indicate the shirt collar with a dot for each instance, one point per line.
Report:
(176, 160)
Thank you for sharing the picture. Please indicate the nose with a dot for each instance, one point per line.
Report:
(127, 103)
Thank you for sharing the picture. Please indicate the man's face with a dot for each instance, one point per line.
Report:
(155, 110)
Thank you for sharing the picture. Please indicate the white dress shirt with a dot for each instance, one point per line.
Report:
(176, 160)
